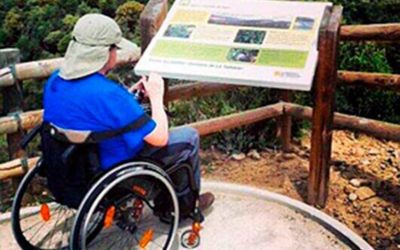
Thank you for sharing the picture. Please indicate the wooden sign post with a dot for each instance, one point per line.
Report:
(324, 102)
(151, 19)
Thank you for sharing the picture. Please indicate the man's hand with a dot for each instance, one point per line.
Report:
(154, 87)
(139, 86)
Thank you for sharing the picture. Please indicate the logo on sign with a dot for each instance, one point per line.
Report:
(286, 74)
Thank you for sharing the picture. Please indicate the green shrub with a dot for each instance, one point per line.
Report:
(41, 29)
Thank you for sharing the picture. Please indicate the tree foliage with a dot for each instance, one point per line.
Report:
(41, 29)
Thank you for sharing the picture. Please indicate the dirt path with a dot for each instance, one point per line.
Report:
(364, 190)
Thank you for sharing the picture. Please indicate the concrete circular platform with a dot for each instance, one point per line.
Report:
(249, 218)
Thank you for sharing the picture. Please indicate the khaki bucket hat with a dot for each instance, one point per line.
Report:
(88, 51)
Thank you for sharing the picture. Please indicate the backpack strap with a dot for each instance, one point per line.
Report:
(89, 137)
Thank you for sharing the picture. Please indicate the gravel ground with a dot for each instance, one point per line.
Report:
(364, 189)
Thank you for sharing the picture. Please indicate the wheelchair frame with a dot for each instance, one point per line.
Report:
(99, 189)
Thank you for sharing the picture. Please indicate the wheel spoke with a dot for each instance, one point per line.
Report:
(44, 223)
(103, 236)
(32, 226)
(64, 229)
(126, 232)
(55, 225)
(49, 235)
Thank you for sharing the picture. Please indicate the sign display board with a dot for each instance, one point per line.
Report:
(247, 42)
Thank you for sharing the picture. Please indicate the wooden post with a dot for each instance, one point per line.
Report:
(324, 100)
(12, 101)
(12, 104)
(285, 123)
(151, 20)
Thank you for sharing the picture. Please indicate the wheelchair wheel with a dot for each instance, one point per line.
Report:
(132, 199)
(38, 221)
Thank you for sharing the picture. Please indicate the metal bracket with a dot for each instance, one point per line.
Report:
(17, 116)
(25, 164)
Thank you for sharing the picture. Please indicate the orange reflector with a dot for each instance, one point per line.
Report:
(146, 238)
(196, 227)
(139, 190)
(45, 212)
(109, 218)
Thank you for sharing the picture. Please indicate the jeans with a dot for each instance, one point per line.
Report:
(183, 147)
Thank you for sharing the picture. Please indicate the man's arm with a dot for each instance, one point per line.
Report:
(154, 88)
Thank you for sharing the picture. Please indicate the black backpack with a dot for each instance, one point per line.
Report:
(72, 167)
(69, 168)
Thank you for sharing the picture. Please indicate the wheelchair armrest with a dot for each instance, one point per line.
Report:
(30, 136)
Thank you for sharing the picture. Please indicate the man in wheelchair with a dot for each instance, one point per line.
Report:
(82, 105)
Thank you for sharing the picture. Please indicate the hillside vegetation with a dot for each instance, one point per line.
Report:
(41, 29)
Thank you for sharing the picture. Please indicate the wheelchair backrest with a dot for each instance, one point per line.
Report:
(70, 158)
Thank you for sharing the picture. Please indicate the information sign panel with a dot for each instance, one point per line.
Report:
(246, 42)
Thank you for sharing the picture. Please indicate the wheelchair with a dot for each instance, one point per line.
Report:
(133, 205)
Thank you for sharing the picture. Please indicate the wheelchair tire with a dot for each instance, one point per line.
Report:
(111, 192)
(43, 216)
(33, 187)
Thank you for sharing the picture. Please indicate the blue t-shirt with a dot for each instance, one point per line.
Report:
(96, 103)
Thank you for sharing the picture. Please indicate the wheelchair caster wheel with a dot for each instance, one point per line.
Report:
(190, 239)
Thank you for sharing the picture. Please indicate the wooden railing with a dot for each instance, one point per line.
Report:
(151, 19)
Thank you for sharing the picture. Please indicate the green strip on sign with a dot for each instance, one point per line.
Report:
(191, 51)
(218, 53)
(282, 58)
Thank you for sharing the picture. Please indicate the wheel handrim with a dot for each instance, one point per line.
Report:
(124, 176)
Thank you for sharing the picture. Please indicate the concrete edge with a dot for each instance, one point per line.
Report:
(334, 226)
(5, 217)
(340, 230)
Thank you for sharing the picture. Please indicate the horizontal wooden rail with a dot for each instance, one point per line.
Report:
(352, 78)
(29, 70)
(371, 127)
(371, 32)
(26, 120)
(14, 168)
(43, 69)
(215, 125)
(190, 90)
(187, 91)
(349, 78)
(207, 127)
(371, 80)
